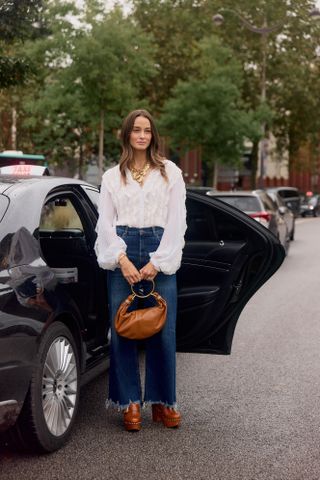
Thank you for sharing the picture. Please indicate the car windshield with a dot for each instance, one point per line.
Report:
(3, 205)
(288, 193)
(244, 203)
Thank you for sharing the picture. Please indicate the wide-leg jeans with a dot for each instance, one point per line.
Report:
(160, 374)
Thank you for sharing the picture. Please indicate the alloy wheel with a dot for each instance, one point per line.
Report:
(59, 386)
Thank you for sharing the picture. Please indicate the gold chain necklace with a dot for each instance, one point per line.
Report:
(139, 175)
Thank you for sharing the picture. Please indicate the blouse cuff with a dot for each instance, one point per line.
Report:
(168, 266)
(155, 263)
(107, 255)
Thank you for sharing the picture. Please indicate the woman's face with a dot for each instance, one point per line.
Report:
(141, 134)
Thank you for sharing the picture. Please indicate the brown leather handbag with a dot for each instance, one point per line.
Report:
(142, 323)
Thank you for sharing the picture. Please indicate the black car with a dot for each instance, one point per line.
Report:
(310, 206)
(54, 325)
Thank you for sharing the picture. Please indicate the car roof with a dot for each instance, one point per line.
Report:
(237, 193)
(199, 187)
(10, 183)
(278, 189)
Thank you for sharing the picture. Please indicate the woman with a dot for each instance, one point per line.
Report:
(141, 226)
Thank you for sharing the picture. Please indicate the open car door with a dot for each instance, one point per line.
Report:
(227, 257)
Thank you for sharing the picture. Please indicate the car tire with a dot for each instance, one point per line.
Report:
(50, 408)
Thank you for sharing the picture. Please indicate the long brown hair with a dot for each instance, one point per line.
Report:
(154, 156)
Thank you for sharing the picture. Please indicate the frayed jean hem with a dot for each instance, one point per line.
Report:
(116, 405)
(146, 403)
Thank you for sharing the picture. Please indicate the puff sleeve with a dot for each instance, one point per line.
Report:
(167, 257)
(108, 245)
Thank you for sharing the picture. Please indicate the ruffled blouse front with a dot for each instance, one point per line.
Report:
(156, 203)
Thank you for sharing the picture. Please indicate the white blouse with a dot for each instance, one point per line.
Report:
(155, 203)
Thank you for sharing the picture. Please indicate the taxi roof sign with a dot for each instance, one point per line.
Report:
(24, 170)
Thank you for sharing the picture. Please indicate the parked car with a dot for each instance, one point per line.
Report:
(54, 325)
(290, 196)
(258, 205)
(285, 211)
(310, 206)
(201, 189)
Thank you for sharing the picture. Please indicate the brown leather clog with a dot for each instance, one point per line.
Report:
(168, 416)
(132, 418)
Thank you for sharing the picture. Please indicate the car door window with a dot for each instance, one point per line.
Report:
(206, 227)
(62, 235)
(59, 214)
(244, 203)
(200, 223)
(93, 194)
(268, 203)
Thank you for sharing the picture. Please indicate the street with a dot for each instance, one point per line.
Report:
(253, 415)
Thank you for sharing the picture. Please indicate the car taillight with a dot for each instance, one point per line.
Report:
(261, 216)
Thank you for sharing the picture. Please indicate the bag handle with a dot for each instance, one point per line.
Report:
(143, 296)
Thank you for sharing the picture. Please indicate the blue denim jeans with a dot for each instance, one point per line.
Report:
(160, 375)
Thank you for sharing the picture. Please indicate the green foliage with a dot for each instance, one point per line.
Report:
(101, 68)
(13, 71)
(176, 26)
(295, 89)
(208, 111)
(292, 71)
(111, 62)
(162, 54)
(18, 18)
(17, 22)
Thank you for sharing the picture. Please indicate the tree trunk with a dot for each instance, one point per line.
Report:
(14, 129)
(215, 174)
(254, 165)
(80, 160)
(101, 144)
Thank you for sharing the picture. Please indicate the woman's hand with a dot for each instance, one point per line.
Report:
(129, 271)
(148, 272)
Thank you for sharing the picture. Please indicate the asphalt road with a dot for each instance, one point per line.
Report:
(251, 416)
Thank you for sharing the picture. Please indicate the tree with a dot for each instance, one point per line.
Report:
(86, 80)
(207, 110)
(49, 118)
(110, 63)
(17, 22)
(292, 74)
(176, 26)
(295, 89)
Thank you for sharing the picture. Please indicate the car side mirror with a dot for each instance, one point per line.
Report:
(282, 210)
